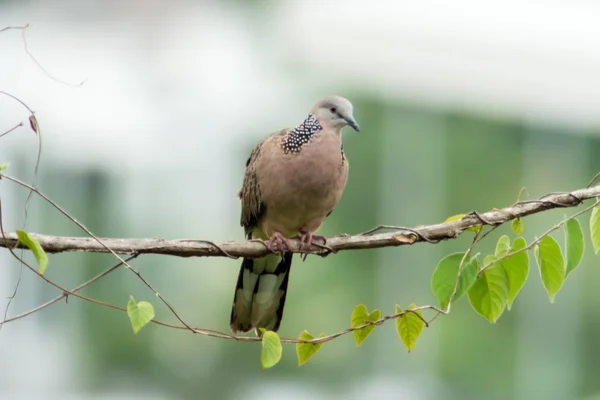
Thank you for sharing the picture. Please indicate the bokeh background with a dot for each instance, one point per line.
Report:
(461, 104)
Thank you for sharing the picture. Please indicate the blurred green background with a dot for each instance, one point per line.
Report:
(460, 106)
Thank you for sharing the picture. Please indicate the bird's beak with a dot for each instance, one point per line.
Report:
(353, 124)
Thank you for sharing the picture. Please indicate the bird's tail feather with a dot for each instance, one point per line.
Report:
(260, 293)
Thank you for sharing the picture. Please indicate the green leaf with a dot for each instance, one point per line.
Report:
(4, 166)
(487, 260)
(271, 349)
(35, 247)
(306, 350)
(551, 264)
(574, 244)
(489, 293)
(409, 326)
(458, 217)
(360, 316)
(517, 269)
(502, 246)
(518, 226)
(139, 314)
(595, 228)
(444, 277)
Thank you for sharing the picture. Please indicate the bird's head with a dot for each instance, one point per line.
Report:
(335, 112)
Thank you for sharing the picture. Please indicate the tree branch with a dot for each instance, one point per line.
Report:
(397, 237)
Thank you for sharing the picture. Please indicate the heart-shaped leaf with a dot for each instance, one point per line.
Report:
(271, 349)
(139, 314)
(517, 269)
(517, 226)
(409, 326)
(574, 244)
(551, 265)
(305, 351)
(360, 316)
(489, 293)
(444, 277)
(502, 246)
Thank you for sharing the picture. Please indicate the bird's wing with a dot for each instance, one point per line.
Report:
(253, 205)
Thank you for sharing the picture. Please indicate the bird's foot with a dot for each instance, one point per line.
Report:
(281, 241)
(307, 238)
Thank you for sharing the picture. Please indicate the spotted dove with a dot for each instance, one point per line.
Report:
(293, 180)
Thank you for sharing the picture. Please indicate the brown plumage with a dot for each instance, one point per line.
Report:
(294, 178)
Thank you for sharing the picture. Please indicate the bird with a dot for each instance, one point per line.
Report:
(293, 180)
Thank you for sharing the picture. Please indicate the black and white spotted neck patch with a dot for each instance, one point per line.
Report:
(296, 138)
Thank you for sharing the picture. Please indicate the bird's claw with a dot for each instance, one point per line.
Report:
(307, 238)
(283, 244)
(281, 241)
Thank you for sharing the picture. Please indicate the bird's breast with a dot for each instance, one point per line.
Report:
(300, 189)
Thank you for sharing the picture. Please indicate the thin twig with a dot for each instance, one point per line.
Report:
(18, 100)
(64, 290)
(593, 180)
(40, 66)
(20, 124)
(66, 294)
(100, 242)
(370, 323)
(476, 239)
(536, 241)
(14, 27)
(37, 130)
(15, 291)
(26, 206)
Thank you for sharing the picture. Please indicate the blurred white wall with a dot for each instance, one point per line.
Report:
(508, 58)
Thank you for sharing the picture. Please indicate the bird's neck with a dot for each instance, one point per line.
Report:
(299, 136)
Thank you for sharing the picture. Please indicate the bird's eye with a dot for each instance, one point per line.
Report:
(332, 109)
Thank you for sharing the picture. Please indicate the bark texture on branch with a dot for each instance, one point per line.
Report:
(397, 237)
